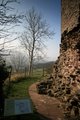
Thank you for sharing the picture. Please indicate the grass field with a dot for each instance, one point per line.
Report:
(19, 89)
(19, 84)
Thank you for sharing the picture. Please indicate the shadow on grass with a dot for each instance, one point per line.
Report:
(34, 116)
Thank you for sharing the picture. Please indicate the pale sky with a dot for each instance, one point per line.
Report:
(51, 11)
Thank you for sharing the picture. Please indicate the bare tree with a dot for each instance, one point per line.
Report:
(37, 30)
(18, 61)
(8, 20)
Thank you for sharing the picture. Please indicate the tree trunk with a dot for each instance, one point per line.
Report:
(30, 68)
(31, 57)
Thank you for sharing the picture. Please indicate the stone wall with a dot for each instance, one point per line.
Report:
(66, 71)
(70, 14)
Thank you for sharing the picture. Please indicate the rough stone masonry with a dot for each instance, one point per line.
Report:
(66, 70)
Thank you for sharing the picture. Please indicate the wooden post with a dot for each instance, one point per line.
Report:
(43, 71)
(25, 72)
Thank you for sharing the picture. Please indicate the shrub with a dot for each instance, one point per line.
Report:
(3, 75)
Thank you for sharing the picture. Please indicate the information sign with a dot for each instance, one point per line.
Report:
(17, 107)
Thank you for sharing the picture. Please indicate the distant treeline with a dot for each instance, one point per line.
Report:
(43, 65)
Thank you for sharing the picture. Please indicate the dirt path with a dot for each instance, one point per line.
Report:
(45, 105)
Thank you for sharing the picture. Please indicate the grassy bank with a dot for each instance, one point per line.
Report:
(19, 89)
(19, 84)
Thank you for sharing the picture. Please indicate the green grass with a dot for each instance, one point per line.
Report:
(38, 72)
(19, 89)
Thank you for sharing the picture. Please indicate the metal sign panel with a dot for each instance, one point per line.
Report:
(17, 107)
